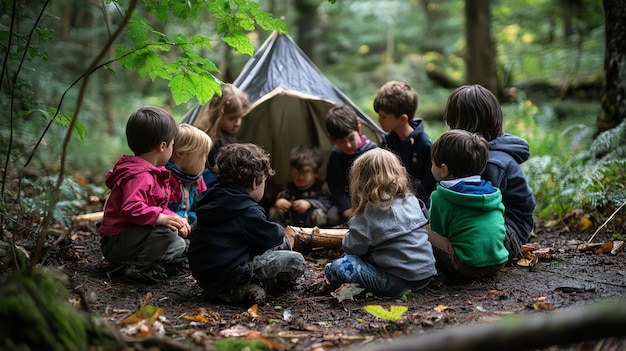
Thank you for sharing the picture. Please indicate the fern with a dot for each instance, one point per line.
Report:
(610, 144)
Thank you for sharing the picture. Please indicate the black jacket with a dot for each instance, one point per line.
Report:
(231, 229)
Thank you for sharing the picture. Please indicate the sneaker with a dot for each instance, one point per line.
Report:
(148, 276)
(249, 293)
(246, 294)
(159, 272)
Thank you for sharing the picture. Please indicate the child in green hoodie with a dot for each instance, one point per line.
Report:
(466, 212)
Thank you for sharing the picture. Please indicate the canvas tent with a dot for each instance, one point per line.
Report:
(289, 99)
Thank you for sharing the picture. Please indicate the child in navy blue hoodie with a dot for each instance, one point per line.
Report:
(234, 249)
(475, 109)
(396, 104)
(344, 131)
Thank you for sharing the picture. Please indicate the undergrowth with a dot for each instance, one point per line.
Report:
(569, 170)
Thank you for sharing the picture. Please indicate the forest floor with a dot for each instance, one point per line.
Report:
(565, 276)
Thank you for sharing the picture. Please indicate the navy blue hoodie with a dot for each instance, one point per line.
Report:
(415, 153)
(506, 154)
(232, 228)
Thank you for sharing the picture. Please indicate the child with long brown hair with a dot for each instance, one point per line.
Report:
(221, 118)
(386, 249)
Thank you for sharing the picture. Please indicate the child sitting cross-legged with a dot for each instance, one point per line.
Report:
(304, 202)
(466, 212)
(234, 249)
(386, 247)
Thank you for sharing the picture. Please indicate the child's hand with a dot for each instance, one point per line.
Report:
(282, 205)
(185, 230)
(173, 222)
(301, 206)
(347, 213)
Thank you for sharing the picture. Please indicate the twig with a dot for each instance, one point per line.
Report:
(607, 221)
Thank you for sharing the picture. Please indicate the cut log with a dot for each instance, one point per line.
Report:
(306, 239)
(88, 218)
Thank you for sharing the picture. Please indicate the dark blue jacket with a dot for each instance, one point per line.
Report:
(506, 153)
(315, 195)
(232, 228)
(415, 153)
(338, 170)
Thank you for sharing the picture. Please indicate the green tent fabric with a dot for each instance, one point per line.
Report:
(289, 99)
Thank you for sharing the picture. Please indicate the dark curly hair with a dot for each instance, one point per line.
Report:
(241, 164)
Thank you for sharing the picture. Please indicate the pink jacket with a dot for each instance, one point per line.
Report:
(139, 193)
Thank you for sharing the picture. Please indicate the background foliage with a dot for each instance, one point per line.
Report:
(543, 49)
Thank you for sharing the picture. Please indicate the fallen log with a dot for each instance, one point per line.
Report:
(88, 218)
(306, 239)
(520, 332)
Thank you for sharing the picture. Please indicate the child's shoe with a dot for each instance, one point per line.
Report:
(249, 294)
(149, 276)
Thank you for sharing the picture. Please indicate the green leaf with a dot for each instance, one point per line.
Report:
(394, 314)
(137, 29)
(239, 42)
(183, 88)
(63, 119)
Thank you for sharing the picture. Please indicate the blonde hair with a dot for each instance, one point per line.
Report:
(190, 139)
(377, 177)
(232, 101)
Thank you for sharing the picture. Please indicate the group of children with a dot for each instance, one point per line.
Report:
(181, 198)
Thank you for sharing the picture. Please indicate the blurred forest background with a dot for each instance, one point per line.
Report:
(544, 59)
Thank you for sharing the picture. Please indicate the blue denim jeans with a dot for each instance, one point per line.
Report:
(355, 269)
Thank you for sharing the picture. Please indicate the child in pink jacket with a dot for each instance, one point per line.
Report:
(138, 230)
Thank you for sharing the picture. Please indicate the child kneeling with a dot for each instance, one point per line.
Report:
(234, 249)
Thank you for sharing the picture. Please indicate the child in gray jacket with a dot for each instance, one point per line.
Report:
(386, 249)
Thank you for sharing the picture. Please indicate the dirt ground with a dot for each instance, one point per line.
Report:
(310, 318)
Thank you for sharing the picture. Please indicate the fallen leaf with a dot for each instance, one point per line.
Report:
(528, 259)
(236, 330)
(543, 306)
(146, 312)
(441, 308)
(585, 222)
(347, 291)
(617, 246)
(197, 318)
(606, 247)
(252, 311)
(544, 252)
(256, 335)
(393, 314)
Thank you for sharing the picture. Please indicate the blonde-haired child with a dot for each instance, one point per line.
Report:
(386, 249)
(191, 149)
(221, 118)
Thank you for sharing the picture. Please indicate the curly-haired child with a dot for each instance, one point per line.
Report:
(234, 249)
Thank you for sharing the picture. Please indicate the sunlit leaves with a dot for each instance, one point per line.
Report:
(394, 313)
(190, 75)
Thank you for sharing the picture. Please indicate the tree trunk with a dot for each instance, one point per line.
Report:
(614, 95)
(307, 25)
(480, 56)
(435, 32)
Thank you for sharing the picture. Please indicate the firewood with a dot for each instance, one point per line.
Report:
(306, 239)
